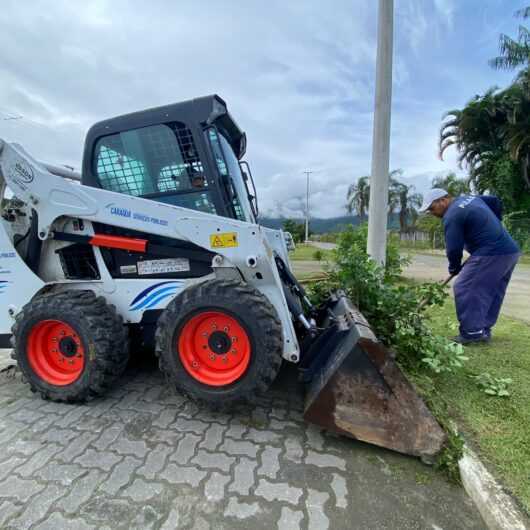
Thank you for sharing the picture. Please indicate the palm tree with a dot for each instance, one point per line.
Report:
(514, 52)
(401, 198)
(405, 200)
(358, 197)
(516, 130)
(474, 130)
(452, 184)
(393, 190)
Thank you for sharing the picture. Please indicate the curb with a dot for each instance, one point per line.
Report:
(496, 507)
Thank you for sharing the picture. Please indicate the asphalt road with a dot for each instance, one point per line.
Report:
(517, 301)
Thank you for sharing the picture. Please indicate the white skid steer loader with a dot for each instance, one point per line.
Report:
(157, 242)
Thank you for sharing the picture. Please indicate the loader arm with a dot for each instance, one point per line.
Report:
(242, 249)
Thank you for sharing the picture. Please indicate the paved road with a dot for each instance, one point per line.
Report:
(323, 245)
(517, 301)
(146, 458)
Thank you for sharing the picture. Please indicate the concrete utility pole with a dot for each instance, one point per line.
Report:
(307, 207)
(377, 212)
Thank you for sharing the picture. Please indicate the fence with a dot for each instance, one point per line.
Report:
(421, 240)
(414, 236)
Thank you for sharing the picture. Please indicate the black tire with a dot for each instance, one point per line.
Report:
(100, 331)
(256, 315)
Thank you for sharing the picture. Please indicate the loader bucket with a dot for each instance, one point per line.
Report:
(355, 387)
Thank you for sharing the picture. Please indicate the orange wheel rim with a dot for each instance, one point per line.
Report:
(55, 352)
(214, 348)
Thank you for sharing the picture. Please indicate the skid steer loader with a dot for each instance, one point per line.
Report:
(157, 242)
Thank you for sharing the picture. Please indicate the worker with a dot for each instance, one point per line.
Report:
(474, 223)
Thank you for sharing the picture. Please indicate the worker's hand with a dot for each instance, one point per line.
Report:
(453, 271)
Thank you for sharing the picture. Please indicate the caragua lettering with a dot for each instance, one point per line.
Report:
(137, 216)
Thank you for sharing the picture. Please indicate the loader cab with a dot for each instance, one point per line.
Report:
(186, 154)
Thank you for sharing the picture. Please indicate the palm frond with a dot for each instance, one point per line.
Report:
(523, 13)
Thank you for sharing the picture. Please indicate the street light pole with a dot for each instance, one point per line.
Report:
(307, 207)
(377, 213)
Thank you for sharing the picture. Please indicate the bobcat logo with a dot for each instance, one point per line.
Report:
(24, 172)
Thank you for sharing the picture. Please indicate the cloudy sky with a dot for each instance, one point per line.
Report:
(298, 76)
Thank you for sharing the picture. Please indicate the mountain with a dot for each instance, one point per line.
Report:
(324, 226)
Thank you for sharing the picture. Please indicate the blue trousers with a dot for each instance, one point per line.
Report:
(479, 292)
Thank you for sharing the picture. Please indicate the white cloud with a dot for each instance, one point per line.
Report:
(298, 77)
(446, 8)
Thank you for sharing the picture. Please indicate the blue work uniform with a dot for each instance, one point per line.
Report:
(474, 223)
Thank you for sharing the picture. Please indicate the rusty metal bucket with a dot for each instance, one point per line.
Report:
(355, 387)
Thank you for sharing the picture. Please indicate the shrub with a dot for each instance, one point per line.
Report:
(318, 255)
(395, 311)
(391, 305)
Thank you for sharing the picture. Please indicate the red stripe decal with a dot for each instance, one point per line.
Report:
(125, 243)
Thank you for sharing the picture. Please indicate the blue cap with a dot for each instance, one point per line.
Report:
(431, 196)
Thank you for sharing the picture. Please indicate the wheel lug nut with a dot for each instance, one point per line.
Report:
(225, 329)
(212, 357)
(234, 339)
(225, 360)
(234, 351)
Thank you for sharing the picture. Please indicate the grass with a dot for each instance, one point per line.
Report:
(498, 428)
(308, 253)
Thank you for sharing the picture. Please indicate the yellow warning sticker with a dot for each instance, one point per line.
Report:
(223, 240)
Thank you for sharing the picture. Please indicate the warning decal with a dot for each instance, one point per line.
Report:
(223, 240)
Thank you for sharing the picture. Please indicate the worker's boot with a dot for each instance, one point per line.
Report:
(483, 338)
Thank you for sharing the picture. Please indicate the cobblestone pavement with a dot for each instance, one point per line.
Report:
(145, 457)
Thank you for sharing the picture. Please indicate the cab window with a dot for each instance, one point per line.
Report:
(154, 161)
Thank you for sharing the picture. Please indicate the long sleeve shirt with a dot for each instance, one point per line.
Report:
(474, 223)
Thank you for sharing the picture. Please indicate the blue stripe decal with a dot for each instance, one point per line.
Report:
(142, 303)
(156, 300)
(149, 289)
(152, 296)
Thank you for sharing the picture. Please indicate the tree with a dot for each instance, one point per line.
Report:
(514, 52)
(452, 184)
(404, 200)
(474, 130)
(358, 197)
(434, 227)
(401, 198)
(492, 137)
(296, 229)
